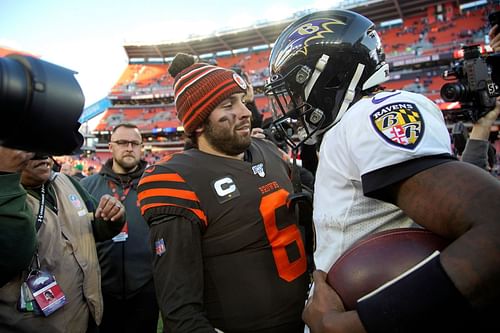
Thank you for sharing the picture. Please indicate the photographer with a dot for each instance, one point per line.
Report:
(44, 102)
(478, 147)
(68, 222)
(49, 223)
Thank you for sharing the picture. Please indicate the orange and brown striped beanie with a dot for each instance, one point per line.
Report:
(199, 88)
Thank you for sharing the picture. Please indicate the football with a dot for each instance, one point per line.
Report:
(378, 258)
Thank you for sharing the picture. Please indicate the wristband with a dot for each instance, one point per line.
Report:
(423, 299)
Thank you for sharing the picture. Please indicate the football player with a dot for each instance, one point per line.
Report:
(384, 162)
(229, 252)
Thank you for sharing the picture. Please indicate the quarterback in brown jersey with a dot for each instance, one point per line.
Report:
(229, 252)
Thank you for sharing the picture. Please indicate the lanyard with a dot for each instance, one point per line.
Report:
(41, 210)
(114, 190)
(123, 235)
(38, 223)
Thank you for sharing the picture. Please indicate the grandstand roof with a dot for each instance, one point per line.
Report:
(266, 33)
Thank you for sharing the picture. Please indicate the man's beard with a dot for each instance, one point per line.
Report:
(226, 140)
(127, 166)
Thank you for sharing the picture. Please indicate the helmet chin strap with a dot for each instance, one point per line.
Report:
(318, 69)
(349, 94)
(381, 75)
(351, 89)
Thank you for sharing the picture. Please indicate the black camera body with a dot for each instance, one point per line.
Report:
(478, 79)
(474, 88)
(40, 105)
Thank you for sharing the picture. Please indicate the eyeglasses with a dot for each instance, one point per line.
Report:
(126, 143)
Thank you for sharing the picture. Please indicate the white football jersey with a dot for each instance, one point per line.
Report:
(377, 132)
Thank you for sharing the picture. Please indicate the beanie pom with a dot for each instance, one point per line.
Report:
(180, 62)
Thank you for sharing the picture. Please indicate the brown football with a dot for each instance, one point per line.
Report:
(378, 258)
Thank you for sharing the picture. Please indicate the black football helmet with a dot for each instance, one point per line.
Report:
(320, 64)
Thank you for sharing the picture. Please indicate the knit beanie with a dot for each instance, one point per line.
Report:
(199, 88)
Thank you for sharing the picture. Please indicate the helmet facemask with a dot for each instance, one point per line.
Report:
(295, 120)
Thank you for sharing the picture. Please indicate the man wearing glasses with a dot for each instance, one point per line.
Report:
(126, 260)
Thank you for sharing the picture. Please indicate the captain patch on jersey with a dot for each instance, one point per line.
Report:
(399, 124)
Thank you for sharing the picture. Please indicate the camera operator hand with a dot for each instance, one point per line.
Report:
(478, 149)
(495, 38)
(13, 160)
(481, 129)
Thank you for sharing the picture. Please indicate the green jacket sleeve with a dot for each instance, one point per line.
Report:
(17, 228)
(103, 230)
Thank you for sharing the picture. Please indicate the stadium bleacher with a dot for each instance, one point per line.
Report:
(418, 48)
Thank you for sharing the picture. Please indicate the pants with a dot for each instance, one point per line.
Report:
(137, 314)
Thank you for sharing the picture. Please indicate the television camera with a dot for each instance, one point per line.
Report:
(477, 80)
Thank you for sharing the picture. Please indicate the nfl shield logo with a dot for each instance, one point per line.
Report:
(160, 247)
(258, 169)
(75, 201)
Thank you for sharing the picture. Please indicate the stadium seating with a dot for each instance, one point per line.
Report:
(422, 35)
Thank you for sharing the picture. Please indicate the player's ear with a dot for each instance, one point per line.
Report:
(200, 130)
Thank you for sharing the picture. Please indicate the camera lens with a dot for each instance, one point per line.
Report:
(453, 92)
(14, 88)
(40, 104)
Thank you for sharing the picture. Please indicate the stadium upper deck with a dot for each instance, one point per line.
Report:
(418, 49)
(265, 33)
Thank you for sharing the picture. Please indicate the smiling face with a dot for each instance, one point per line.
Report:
(227, 130)
(36, 172)
(125, 147)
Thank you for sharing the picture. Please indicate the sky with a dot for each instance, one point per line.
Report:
(87, 36)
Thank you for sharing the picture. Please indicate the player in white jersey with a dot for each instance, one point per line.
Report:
(372, 135)
(385, 162)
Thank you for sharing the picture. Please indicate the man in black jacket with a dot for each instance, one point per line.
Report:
(126, 260)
